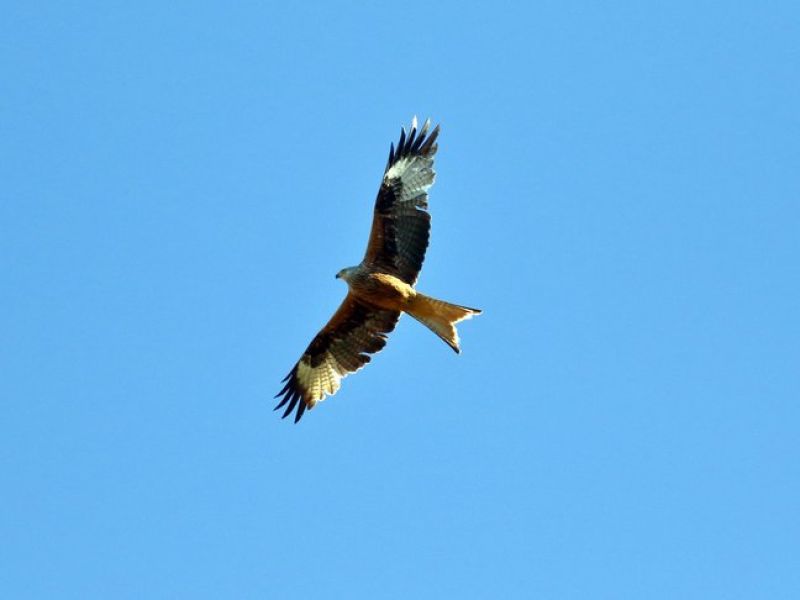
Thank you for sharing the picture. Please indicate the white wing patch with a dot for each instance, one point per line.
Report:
(411, 178)
(320, 381)
(415, 175)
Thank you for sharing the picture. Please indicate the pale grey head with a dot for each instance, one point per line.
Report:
(346, 273)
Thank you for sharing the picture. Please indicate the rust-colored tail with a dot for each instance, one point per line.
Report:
(440, 317)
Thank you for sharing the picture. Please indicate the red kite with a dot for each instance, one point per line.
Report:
(381, 288)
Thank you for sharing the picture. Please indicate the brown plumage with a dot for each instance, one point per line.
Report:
(382, 286)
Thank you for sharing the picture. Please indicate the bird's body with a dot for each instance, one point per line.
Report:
(385, 291)
(381, 287)
(378, 289)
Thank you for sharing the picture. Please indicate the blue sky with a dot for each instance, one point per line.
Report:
(617, 189)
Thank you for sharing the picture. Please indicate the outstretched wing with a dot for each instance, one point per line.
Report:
(342, 347)
(401, 223)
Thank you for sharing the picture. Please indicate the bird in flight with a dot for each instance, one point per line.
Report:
(381, 287)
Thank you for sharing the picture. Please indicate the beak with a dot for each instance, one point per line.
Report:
(336, 276)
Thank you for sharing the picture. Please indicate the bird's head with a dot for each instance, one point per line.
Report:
(345, 273)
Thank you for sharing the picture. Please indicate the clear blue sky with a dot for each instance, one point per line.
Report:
(617, 188)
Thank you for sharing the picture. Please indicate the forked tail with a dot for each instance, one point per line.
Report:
(440, 317)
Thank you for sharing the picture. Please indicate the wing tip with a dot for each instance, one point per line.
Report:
(292, 395)
(301, 408)
(414, 142)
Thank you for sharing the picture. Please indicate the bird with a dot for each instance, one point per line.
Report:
(382, 286)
